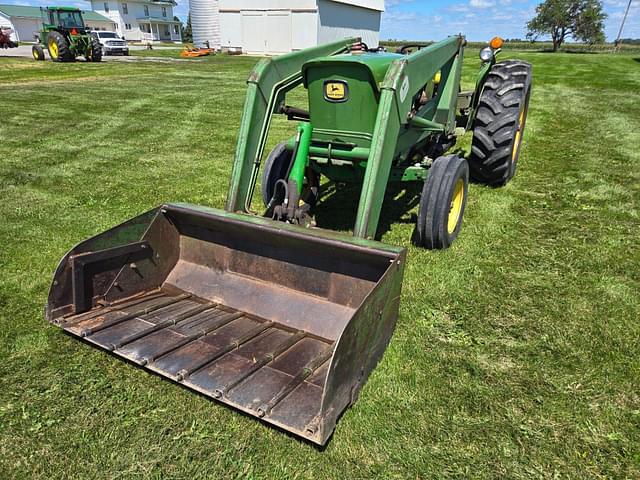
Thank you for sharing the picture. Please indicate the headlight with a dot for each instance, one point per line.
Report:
(486, 54)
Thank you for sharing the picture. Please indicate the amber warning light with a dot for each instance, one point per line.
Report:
(496, 43)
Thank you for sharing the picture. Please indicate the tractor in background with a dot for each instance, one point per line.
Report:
(65, 36)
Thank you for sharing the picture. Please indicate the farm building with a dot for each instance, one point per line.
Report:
(141, 20)
(26, 22)
(278, 26)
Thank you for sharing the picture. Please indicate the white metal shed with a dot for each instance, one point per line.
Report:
(279, 26)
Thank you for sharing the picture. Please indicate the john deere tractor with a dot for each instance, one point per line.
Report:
(265, 311)
(65, 36)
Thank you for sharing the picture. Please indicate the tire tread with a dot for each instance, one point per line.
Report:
(505, 92)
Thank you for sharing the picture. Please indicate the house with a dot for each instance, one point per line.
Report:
(26, 22)
(278, 26)
(141, 20)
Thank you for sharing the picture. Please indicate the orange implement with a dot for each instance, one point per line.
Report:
(191, 52)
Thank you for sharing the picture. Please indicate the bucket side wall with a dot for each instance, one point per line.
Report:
(117, 277)
(359, 349)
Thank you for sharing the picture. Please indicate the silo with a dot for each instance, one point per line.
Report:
(205, 22)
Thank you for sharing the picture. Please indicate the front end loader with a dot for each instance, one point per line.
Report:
(267, 312)
(65, 36)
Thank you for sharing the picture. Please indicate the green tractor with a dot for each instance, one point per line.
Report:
(377, 119)
(65, 36)
(265, 312)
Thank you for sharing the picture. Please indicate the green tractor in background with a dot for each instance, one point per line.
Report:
(65, 36)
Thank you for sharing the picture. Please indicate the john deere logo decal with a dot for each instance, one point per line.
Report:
(336, 91)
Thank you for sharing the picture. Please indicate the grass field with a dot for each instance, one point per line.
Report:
(517, 352)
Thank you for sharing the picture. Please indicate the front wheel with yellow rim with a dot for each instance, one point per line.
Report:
(58, 47)
(38, 52)
(442, 203)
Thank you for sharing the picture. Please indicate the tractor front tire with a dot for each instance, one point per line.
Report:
(95, 51)
(38, 53)
(58, 47)
(499, 124)
(442, 203)
(277, 167)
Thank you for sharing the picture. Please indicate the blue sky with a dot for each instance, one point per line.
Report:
(483, 19)
(433, 20)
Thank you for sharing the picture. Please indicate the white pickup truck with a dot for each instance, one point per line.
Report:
(111, 43)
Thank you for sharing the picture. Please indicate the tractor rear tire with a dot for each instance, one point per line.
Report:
(499, 124)
(58, 48)
(37, 52)
(442, 203)
(277, 167)
(95, 54)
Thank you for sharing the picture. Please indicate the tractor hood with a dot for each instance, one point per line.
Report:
(376, 64)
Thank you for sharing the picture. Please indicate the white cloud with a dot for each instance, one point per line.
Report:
(393, 3)
(481, 3)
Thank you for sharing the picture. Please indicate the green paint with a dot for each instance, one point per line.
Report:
(425, 124)
(371, 125)
(409, 174)
(79, 42)
(269, 81)
(376, 63)
(355, 115)
(302, 155)
(330, 153)
(448, 92)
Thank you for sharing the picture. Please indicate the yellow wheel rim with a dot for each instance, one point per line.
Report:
(518, 137)
(456, 206)
(53, 49)
(35, 54)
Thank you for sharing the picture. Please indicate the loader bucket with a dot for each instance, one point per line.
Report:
(280, 322)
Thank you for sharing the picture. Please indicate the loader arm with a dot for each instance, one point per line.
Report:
(269, 81)
(403, 80)
(481, 79)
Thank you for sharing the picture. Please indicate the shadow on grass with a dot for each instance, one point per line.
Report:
(637, 59)
(338, 206)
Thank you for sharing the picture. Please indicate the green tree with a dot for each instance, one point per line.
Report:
(183, 30)
(187, 34)
(581, 19)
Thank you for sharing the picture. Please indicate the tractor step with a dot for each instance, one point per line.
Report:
(253, 364)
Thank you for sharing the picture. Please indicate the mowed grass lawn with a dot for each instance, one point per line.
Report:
(517, 352)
